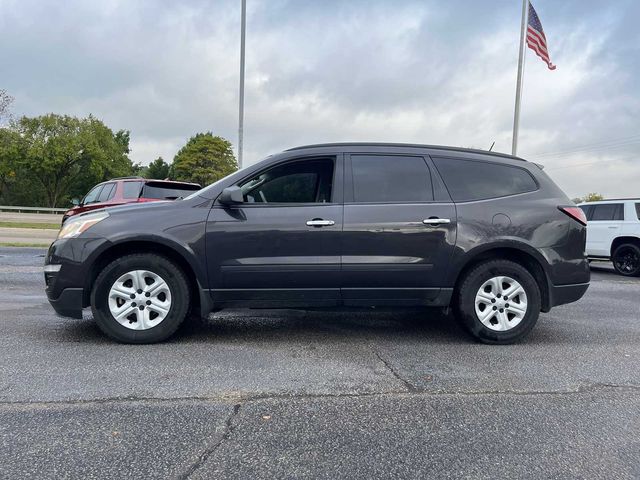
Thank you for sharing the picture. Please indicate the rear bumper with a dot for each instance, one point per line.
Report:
(68, 303)
(562, 294)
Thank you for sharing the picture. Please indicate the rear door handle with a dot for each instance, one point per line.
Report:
(436, 221)
(318, 222)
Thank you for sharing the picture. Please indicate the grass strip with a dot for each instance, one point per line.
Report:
(41, 226)
(19, 244)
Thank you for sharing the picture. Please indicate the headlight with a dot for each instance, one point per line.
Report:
(74, 227)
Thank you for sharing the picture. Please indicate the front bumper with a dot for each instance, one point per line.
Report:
(562, 294)
(69, 303)
(66, 285)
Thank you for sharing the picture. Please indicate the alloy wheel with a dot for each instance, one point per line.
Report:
(627, 261)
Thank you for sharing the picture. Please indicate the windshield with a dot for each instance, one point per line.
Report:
(208, 188)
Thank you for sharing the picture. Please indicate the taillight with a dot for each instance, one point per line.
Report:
(576, 213)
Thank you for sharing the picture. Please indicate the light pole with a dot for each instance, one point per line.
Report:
(243, 21)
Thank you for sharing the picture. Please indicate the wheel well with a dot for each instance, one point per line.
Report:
(128, 248)
(518, 256)
(620, 240)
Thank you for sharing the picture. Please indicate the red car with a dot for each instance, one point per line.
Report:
(119, 191)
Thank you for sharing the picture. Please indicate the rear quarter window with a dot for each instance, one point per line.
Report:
(131, 190)
(469, 180)
(166, 191)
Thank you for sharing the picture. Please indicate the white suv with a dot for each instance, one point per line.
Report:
(613, 232)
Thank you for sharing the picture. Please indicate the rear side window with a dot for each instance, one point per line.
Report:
(607, 211)
(638, 210)
(469, 180)
(390, 179)
(107, 193)
(131, 190)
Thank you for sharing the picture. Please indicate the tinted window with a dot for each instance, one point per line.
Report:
(92, 196)
(131, 189)
(107, 193)
(587, 210)
(638, 210)
(307, 181)
(384, 179)
(607, 211)
(473, 180)
(166, 191)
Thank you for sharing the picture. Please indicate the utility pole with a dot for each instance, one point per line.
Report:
(243, 21)
(516, 115)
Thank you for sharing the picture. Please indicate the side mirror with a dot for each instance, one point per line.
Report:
(231, 195)
(75, 202)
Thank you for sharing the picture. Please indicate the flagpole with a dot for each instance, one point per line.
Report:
(243, 21)
(516, 115)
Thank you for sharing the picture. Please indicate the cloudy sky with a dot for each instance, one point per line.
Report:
(428, 71)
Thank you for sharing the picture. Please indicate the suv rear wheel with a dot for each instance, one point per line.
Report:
(498, 301)
(626, 260)
(140, 298)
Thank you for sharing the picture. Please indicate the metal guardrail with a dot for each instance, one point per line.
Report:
(11, 208)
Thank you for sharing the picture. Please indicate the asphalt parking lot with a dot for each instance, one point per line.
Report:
(296, 394)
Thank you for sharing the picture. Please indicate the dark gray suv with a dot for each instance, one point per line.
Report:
(353, 224)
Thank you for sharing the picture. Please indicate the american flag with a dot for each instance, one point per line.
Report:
(536, 40)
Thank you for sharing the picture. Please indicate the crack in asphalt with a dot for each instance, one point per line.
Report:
(243, 399)
(228, 429)
(408, 385)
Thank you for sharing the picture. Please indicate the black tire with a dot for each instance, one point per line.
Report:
(470, 284)
(626, 260)
(170, 273)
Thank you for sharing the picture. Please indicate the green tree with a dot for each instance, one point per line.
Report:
(68, 155)
(204, 159)
(590, 197)
(11, 149)
(593, 197)
(158, 169)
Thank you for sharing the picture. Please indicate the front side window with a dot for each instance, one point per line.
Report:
(107, 193)
(308, 181)
(92, 196)
(469, 180)
(587, 210)
(607, 211)
(390, 179)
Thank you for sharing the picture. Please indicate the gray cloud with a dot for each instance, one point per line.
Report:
(417, 71)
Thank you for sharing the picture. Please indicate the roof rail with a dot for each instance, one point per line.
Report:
(132, 177)
(406, 145)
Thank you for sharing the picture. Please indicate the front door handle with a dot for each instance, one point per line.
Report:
(435, 221)
(318, 222)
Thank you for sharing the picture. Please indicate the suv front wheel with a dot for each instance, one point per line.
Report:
(140, 298)
(498, 301)
(626, 260)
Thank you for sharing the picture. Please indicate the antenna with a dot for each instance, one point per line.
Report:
(491, 147)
